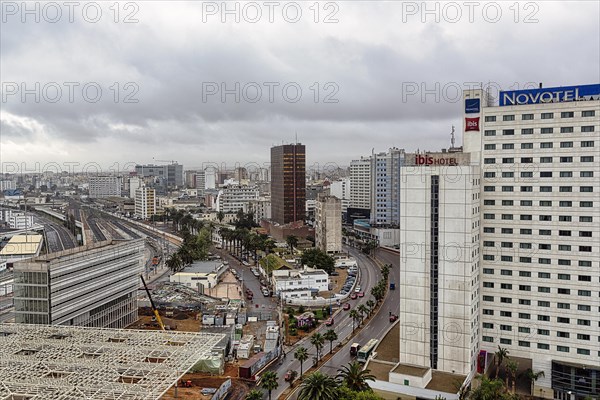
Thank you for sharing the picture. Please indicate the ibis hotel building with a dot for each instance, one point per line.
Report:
(539, 152)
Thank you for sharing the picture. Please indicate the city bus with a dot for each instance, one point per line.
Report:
(365, 352)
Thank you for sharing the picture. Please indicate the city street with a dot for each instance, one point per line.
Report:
(370, 276)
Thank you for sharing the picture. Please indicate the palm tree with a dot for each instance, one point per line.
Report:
(293, 375)
(354, 377)
(371, 305)
(268, 381)
(254, 394)
(533, 376)
(220, 216)
(317, 340)
(355, 317)
(292, 241)
(330, 335)
(301, 354)
(318, 386)
(512, 367)
(174, 262)
(363, 310)
(500, 356)
(489, 389)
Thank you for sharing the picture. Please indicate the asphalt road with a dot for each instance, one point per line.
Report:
(370, 275)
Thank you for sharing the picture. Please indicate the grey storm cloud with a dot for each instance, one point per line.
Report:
(374, 79)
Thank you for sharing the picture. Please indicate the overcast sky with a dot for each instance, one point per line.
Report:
(362, 69)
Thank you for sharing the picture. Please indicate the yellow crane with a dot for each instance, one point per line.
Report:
(154, 310)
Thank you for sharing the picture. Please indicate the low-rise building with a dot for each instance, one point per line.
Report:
(201, 275)
(307, 279)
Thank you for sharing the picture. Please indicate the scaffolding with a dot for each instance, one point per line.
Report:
(73, 363)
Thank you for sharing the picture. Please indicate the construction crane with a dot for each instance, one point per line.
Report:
(165, 161)
(154, 310)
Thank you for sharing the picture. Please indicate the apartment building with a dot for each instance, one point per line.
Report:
(171, 175)
(341, 189)
(328, 224)
(104, 186)
(360, 183)
(95, 286)
(539, 151)
(288, 183)
(232, 198)
(145, 202)
(385, 187)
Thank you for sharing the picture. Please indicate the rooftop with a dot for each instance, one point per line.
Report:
(22, 244)
(68, 362)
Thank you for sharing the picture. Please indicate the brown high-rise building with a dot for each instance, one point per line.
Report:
(288, 183)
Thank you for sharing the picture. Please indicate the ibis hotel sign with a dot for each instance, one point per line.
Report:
(549, 95)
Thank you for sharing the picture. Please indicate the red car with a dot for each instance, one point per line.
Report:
(361, 294)
(353, 296)
(346, 306)
(329, 322)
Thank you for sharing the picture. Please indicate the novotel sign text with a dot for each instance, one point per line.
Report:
(548, 95)
(429, 160)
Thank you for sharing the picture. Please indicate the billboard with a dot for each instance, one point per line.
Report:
(471, 124)
(549, 95)
(472, 106)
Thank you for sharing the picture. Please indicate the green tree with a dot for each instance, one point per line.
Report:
(532, 377)
(330, 336)
(220, 216)
(354, 377)
(293, 375)
(344, 393)
(371, 305)
(254, 394)
(512, 367)
(490, 389)
(317, 258)
(363, 310)
(301, 354)
(318, 386)
(292, 241)
(174, 263)
(268, 381)
(318, 341)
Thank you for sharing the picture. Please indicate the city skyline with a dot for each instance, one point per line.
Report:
(162, 87)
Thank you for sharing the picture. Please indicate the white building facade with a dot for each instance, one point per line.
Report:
(341, 190)
(328, 224)
(385, 187)
(145, 202)
(105, 186)
(540, 205)
(308, 279)
(360, 183)
(439, 236)
(232, 198)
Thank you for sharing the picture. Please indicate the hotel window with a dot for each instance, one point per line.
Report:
(546, 130)
(508, 146)
(584, 278)
(525, 231)
(527, 145)
(489, 147)
(564, 233)
(527, 131)
(546, 145)
(544, 261)
(508, 174)
(566, 159)
(565, 189)
(488, 229)
(585, 218)
(545, 232)
(490, 118)
(489, 271)
(526, 188)
(545, 159)
(525, 288)
(563, 306)
(586, 174)
(506, 258)
(507, 202)
(507, 189)
(525, 260)
(588, 113)
(585, 249)
(564, 145)
(564, 262)
(489, 216)
(489, 132)
(526, 217)
(489, 161)
(563, 291)
(506, 300)
(526, 160)
(585, 233)
(508, 132)
(583, 307)
(564, 247)
(564, 335)
(526, 274)
(566, 174)
(489, 202)
(565, 203)
(567, 114)
(507, 216)
(566, 129)
(587, 128)
(488, 285)
(489, 174)
(524, 302)
(505, 328)
(586, 204)
(547, 115)
(508, 118)
(526, 117)
(544, 246)
(587, 143)
(545, 275)
(508, 160)
(563, 320)
(506, 314)
(488, 312)
(525, 245)
(506, 245)
(543, 303)
(507, 231)
(585, 293)
(583, 263)
(584, 322)
(543, 332)
(487, 325)
(545, 189)
(586, 189)
(543, 346)
(545, 318)
(586, 158)
(524, 343)
(584, 352)
(526, 203)
(489, 188)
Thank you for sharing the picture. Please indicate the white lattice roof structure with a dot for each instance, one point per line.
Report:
(69, 362)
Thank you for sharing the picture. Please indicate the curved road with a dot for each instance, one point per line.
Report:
(370, 275)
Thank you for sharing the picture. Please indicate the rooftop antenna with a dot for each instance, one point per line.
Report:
(452, 138)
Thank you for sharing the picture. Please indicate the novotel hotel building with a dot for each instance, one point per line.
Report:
(539, 199)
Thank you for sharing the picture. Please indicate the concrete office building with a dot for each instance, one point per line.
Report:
(170, 174)
(145, 202)
(438, 287)
(134, 184)
(104, 186)
(328, 224)
(288, 183)
(540, 259)
(94, 286)
(341, 190)
(385, 187)
(233, 198)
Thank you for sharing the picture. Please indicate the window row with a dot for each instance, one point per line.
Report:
(542, 174)
(546, 115)
(543, 160)
(542, 131)
(543, 145)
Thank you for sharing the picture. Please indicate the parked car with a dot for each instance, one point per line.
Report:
(329, 322)
(346, 306)
(357, 289)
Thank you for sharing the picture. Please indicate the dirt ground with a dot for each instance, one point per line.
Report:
(228, 287)
(185, 325)
(389, 348)
(201, 380)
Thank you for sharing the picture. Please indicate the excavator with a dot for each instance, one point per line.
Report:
(154, 310)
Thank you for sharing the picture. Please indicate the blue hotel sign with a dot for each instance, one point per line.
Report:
(472, 106)
(549, 95)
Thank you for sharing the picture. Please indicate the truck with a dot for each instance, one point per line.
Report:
(354, 349)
